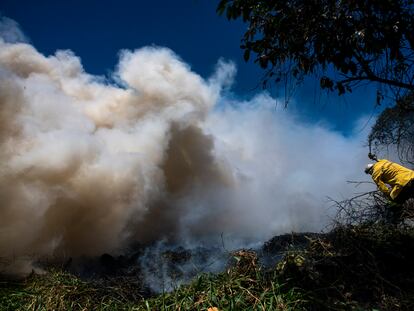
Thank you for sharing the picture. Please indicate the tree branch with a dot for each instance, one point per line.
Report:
(380, 80)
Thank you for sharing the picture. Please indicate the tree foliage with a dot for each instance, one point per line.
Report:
(345, 43)
(394, 128)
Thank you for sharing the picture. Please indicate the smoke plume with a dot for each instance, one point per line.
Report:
(90, 165)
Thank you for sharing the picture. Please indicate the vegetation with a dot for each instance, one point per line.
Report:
(361, 267)
(57, 290)
(344, 42)
(244, 286)
(363, 263)
(394, 128)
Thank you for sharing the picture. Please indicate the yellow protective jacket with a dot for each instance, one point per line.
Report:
(393, 174)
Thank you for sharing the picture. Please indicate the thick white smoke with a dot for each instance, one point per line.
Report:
(89, 166)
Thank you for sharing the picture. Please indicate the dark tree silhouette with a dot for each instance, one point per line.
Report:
(345, 43)
(394, 128)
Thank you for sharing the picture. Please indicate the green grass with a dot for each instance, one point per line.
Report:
(239, 288)
(60, 291)
(352, 268)
(230, 291)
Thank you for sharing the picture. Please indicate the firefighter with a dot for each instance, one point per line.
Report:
(395, 181)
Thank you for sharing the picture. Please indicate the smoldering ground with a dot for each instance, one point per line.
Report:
(92, 164)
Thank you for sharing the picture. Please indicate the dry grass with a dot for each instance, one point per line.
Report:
(364, 263)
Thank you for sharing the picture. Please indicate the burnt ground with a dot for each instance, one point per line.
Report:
(364, 266)
(155, 268)
(273, 250)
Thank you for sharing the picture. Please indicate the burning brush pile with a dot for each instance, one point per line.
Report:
(360, 266)
(150, 273)
(115, 192)
(150, 152)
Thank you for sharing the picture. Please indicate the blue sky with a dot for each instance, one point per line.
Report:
(97, 30)
(96, 163)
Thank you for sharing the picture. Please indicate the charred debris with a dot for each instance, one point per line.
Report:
(362, 263)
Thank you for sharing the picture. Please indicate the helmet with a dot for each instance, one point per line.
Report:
(368, 168)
